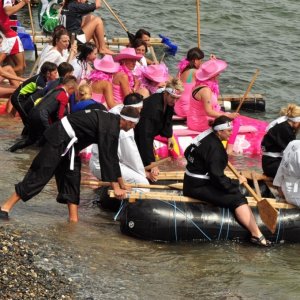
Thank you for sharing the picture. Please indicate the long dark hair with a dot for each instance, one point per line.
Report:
(192, 54)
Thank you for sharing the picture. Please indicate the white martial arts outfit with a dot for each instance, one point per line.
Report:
(132, 168)
(288, 173)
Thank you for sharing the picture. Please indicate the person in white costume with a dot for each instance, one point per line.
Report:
(288, 173)
(132, 168)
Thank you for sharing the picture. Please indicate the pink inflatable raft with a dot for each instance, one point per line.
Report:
(248, 140)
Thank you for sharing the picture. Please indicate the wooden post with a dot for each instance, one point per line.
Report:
(198, 21)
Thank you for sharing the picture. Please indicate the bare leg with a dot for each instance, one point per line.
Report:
(246, 218)
(10, 202)
(10, 70)
(93, 26)
(73, 212)
(19, 63)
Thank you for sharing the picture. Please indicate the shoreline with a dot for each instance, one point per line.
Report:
(21, 277)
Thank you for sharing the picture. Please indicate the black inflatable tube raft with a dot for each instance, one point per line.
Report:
(169, 221)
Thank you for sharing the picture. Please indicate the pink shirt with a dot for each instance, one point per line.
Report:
(197, 119)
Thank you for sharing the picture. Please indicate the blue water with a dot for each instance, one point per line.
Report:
(247, 34)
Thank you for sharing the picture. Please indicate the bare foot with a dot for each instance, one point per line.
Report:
(106, 51)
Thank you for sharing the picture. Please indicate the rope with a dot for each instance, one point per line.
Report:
(279, 226)
(221, 227)
(190, 219)
(227, 224)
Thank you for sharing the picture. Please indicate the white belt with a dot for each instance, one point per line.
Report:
(197, 175)
(71, 133)
(272, 154)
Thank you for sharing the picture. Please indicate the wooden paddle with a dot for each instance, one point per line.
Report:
(267, 212)
(131, 36)
(248, 90)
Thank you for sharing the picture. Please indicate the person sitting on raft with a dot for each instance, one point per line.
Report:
(279, 133)
(204, 104)
(83, 61)
(153, 78)
(131, 164)
(156, 119)
(101, 78)
(85, 99)
(124, 81)
(76, 17)
(205, 180)
(288, 174)
(58, 157)
(187, 68)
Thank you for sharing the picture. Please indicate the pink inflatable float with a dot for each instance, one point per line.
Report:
(248, 140)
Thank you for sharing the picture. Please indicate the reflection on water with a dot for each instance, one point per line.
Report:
(104, 264)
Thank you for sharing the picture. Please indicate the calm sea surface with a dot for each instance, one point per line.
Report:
(107, 265)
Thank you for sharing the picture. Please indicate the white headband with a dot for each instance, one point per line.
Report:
(227, 125)
(139, 104)
(295, 119)
(281, 120)
(134, 120)
(172, 92)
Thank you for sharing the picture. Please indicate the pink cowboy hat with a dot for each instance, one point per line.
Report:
(210, 69)
(106, 64)
(158, 73)
(127, 53)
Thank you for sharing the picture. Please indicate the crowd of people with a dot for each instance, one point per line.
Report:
(84, 93)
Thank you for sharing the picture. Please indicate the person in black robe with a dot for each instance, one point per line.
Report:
(156, 119)
(205, 180)
(279, 133)
(59, 157)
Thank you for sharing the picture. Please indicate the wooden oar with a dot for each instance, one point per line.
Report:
(248, 90)
(153, 55)
(33, 31)
(198, 21)
(133, 196)
(130, 35)
(267, 212)
(137, 185)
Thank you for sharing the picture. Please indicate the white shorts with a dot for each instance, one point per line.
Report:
(11, 46)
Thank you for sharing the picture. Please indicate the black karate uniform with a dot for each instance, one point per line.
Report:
(209, 158)
(276, 140)
(90, 126)
(153, 121)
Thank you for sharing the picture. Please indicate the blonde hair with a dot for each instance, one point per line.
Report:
(291, 111)
(176, 84)
(85, 92)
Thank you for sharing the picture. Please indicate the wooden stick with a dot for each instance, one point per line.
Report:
(115, 15)
(248, 90)
(153, 55)
(267, 212)
(73, 41)
(178, 198)
(31, 22)
(157, 163)
(198, 21)
(137, 185)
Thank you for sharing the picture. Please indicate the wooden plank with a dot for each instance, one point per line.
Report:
(238, 97)
(178, 198)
